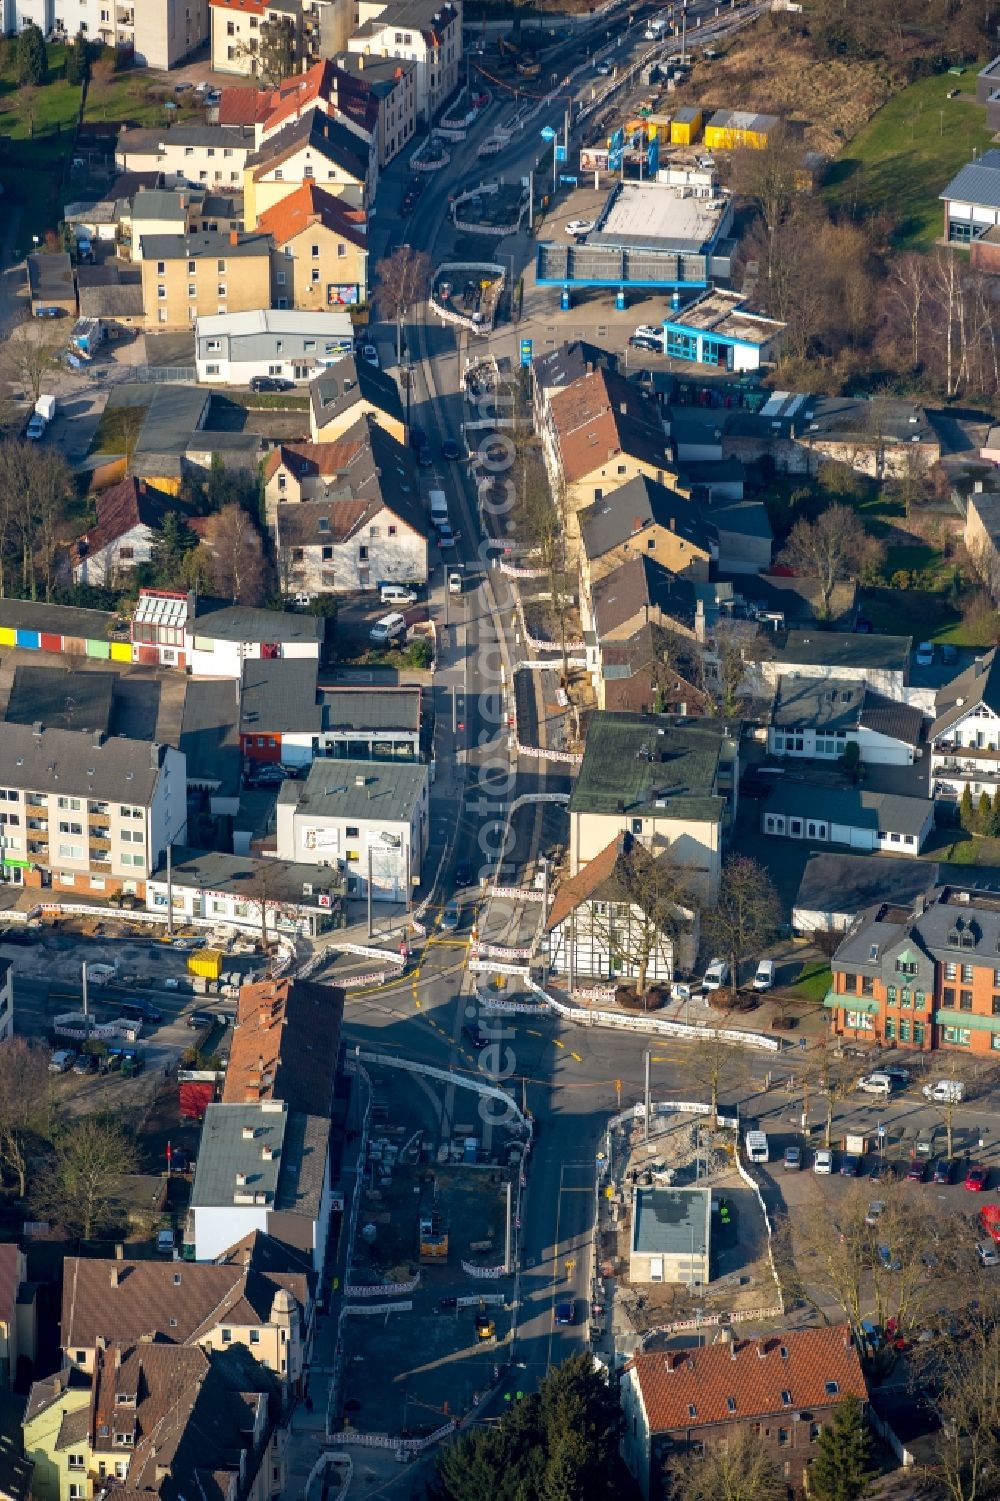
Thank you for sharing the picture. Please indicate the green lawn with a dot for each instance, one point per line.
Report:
(813, 982)
(41, 126)
(906, 154)
(140, 97)
(969, 849)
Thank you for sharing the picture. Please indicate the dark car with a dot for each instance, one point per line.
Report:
(565, 1312)
(883, 1171)
(418, 438)
(944, 1171)
(271, 383)
(949, 654)
(201, 1019)
(752, 784)
(850, 1165)
(87, 1063)
(141, 1010)
(651, 346)
(424, 458)
(451, 449)
(478, 1039)
(917, 1171)
(463, 873)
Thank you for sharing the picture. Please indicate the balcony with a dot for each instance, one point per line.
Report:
(100, 821)
(37, 805)
(37, 825)
(989, 769)
(99, 843)
(125, 17)
(966, 752)
(37, 848)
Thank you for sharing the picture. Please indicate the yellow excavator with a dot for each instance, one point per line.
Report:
(523, 62)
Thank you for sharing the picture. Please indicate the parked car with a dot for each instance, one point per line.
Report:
(452, 450)
(764, 978)
(463, 873)
(565, 1313)
(445, 537)
(270, 383)
(451, 917)
(397, 594)
(388, 628)
(476, 1037)
(36, 428)
(62, 1060)
(650, 331)
(875, 1083)
(917, 1171)
(988, 1253)
(579, 226)
(850, 1165)
(603, 69)
(823, 1162)
(945, 1091)
(370, 355)
(925, 654)
(897, 1073)
(650, 346)
(883, 1171)
(85, 1064)
(875, 1211)
(944, 1171)
(976, 1178)
(201, 1019)
(716, 975)
(949, 654)
(140, 1010)
(887, 1261)
(454, 581)
(793, 1159)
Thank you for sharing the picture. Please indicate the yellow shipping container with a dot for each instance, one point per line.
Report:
(685, 127)
(206, 962)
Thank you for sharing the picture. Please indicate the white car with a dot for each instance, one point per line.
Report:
(649, 331)
(823, 1162)
(603, 69)
(716, 975)
(877, 1083)
(988, 1254)
(764, 978)
(370, 355)
(579, 226)
(36, 428)
(925, 654)
(944, 1091)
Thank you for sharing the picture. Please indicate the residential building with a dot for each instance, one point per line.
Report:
(355, 542)
(923, 975)
(318, 148)
(158, 1419)
(232, 889)
(349, 390)
(671, 1236)
(187, 1303)
(965, 734)
(320, 251)
(155, 33)
(564, 366)
(371, 724)
(211, 639)
(370, 818)
(129, 517)
(186, 277)
(670, 782)
(425, 32)
(232, 348)
(182, 210)
(650, 672)
(17, 1307)
(644, 519)
(212, 155)
(275, 39)
(286, 1046)
(783, 1387)
(855, 816)
(86, 812)
(640, 590)
(598, 434)
(744, 540)
(294, 472)
(384, 86)
(883, 662)
(210, 741)
(717, 329)
(817, 718)
(599, 925)
(264, 1167)
(972, 199)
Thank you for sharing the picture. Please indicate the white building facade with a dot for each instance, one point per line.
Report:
(231, 348)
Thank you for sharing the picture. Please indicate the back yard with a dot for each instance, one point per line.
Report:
(40, 124)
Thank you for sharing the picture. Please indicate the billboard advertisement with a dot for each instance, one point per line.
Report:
(314, 838)
(342, 296)
(594, 159)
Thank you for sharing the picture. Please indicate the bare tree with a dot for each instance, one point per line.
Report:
(739, 1469)
(35, 488)
(908, 287)
(81, 1184)
(30, 351)
(964, 1372)
(24, 1104)
(833, 548)
(768, 178)
(832, 1078)
(647, 906)
(708, 1060)
(239, 565)
(402, 280)
(746, 915)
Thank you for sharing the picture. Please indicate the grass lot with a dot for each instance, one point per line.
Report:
(140, 97)
(969, 849)
(41, 125)
(813, 982)
(898, 164)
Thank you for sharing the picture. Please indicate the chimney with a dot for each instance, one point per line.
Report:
(361, 62)
(249, 1133)
(154, 756)
(699, 620)
(673, 523)
(623, 408)
(762, 1349)
(114, 1274)
(98, 739)
(732, 1349)
(119, 1251)
(234, 237)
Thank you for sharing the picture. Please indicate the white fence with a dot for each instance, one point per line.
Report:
(653, 1026)
(751, 1182)
(497, 951)
(672, 1107)
(486, 1272)
(377, 1308)
(382, 1289)
(427, 1070)
(388, 1441)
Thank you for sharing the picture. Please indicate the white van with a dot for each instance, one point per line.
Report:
(945, 1091)
(101, 974)
(454, 582)
(716, 975)
(439, 507)
(397, 594)
(62, 1060)
(388, 628)
(756, 1145)
(764, 978)
(876, 1083)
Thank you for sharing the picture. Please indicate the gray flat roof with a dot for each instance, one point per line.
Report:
(224, 1151)
(57, 620)
(220, 622)
(665, 766)
(279, 694)
(371, 708)
(674, 1221)
(658, 215)
(389, 790)
(859, 808)
(61, 697)
(243, 875)
(842, 649)
(850, 883)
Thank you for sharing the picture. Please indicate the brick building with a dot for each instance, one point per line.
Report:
(784, 1386)
(924, 976)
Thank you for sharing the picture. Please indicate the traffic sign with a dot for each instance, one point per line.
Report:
(560, 153)
(548, 134)
(526, 347)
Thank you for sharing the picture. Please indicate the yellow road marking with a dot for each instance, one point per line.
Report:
(577, 1057)
(558, 1043)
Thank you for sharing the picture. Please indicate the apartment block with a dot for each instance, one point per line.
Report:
(271, 41)
(85, 812)
(159, 33)
(924, 975)
(423, 32)
(186, 277)
(320, 251)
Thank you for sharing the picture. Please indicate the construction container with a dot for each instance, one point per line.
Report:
(685, 127)
(729, 129)
(206, 962)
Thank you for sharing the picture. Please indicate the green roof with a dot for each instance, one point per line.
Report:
(658, 764)
(836, 1002)
(967, 1019)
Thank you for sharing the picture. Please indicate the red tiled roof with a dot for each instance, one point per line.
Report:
(301, 93)
(126, 505)
(248, 7)
(245, 106)
(586, 881)
(749, 1379)
(601, 415)
(309, 205)
(303, 459)
(285, 1045)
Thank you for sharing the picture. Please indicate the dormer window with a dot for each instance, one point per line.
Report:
(786, 1399)
(730, 1404)
(832, 1388)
